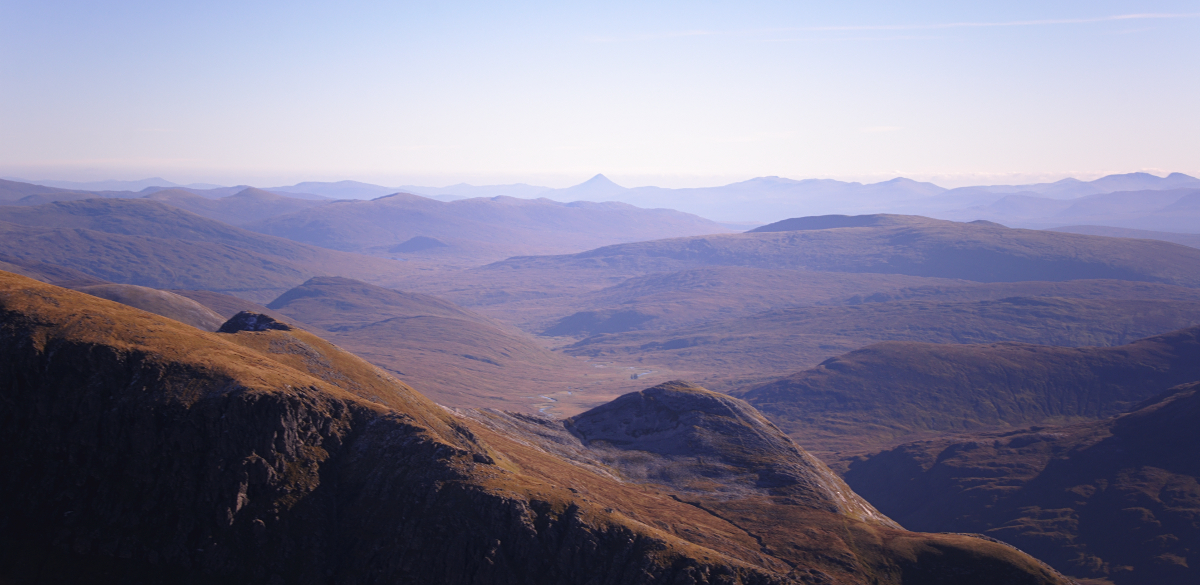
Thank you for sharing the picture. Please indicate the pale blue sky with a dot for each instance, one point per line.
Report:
(675, 94)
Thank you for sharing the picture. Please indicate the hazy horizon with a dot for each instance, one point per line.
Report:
(566, 182)
(673, 95)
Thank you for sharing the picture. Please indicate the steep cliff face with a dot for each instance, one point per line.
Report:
(142, 450)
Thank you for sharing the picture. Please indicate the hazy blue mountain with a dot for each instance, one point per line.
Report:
(110, 185)
(481, 229)
(1163, 210)
(963, 200)
(762, 199)
(223, 192)
(1144, 182)
(337, 190)
(597, 188)
(1191, 240)
(465, 191)
(246, 207)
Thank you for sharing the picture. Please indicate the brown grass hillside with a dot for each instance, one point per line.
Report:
(142, 450)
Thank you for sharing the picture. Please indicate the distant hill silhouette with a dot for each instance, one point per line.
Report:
(13, 192)
(244, 208)
(1147, 209)
(147, 243)
(480, 230)
(418, 244)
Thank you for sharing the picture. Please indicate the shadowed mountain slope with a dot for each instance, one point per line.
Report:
(12, 192)
(895, 389)
(911, 245)
(48, 273)
(1116, 499)
(150, 244)
(141, 450)
(487, 229)
(244, 208)
(710, 443)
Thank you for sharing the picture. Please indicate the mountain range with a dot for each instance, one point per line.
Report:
(515, 408)
(768, 199)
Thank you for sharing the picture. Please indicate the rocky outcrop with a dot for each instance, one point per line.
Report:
(249, 321)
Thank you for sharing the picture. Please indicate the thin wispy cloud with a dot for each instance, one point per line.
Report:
(1046, 22)
(901, 27)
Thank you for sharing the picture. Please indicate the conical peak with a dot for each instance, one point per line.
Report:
(599, 180)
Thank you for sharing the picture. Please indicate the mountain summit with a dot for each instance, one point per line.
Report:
(597, 188)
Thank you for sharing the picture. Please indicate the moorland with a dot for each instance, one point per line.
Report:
(344, 382)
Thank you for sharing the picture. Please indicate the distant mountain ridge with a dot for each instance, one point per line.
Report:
(478, 230)
(766, 199)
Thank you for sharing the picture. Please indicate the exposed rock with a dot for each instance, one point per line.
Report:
(248, 321)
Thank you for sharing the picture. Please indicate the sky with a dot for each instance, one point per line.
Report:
(674, 94)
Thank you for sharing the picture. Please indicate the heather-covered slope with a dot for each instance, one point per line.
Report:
(1116, 499)
(141, 450)
(895, 389)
